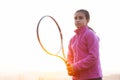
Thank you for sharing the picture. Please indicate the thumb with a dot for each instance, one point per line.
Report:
(68, 64)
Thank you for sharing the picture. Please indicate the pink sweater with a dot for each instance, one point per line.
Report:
(83, 53)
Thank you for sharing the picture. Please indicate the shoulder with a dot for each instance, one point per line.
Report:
(90, 34)
(73, 38)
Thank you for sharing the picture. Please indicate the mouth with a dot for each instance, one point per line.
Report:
(77, 26)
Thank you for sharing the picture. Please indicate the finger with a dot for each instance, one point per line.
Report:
(69, 68)
(70, 73)
(68, 64)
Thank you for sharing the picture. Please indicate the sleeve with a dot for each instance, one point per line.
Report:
(92, 42)
(70, 56)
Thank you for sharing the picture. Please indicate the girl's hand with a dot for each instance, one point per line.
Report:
(70, 69)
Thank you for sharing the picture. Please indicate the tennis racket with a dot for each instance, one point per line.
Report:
(50, 37)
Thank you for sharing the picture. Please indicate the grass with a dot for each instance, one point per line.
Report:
(46, 76)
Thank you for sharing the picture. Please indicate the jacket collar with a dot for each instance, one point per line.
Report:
(81, 29)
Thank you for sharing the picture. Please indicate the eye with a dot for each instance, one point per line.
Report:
(78, 17)
(75, 18)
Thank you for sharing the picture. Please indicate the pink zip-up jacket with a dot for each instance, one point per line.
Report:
(83, 53)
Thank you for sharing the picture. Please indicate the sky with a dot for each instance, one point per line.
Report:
(20, 50)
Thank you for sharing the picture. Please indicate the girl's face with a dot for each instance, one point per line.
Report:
(80, 19)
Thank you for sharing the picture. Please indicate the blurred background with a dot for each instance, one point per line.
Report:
(21, 57)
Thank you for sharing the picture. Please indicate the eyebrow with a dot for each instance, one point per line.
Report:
(80, 17)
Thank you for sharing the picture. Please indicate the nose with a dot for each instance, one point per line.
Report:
(77, 21)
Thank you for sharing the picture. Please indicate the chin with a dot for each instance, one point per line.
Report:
(77, 27)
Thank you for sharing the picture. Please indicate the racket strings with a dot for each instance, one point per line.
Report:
(50, 36)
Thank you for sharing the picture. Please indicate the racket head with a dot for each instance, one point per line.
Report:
(51, 34)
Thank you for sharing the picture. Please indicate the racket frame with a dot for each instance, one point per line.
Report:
(61, 37)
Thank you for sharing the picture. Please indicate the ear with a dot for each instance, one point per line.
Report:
(88, 20)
